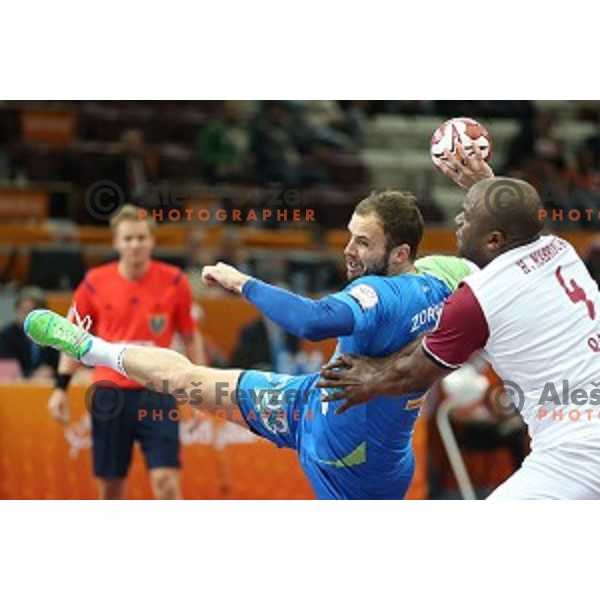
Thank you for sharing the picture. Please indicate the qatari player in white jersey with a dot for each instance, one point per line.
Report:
(533, 312)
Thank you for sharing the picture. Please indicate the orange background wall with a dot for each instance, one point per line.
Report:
(39, 459)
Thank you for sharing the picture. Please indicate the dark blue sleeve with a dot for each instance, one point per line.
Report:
(308, 319)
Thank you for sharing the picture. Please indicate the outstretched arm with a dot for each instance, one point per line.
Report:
(305, 318)
(358, 379)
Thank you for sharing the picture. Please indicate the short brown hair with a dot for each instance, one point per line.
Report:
(399, 215)
(129, 212)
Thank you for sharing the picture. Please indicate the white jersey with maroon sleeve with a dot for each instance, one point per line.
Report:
(534, 312)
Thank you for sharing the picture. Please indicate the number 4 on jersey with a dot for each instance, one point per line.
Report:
(576, 294)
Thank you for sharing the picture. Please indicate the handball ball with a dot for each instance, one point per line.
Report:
(463, 130)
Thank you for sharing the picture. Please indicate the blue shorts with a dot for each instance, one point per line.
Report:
(338, 453)
(273, 405)
(120, 417)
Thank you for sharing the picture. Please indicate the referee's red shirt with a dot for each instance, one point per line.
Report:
(148, 311)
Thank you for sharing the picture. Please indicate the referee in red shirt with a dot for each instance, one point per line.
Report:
(138, 300)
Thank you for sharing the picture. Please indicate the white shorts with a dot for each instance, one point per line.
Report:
(566, 472)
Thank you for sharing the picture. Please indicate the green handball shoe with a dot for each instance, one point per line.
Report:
(47, 328)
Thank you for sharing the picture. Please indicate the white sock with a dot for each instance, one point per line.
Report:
(105, 354)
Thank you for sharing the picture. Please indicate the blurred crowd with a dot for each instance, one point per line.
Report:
(538, 155)
(135, 145)
(293, 144)
(239, 145)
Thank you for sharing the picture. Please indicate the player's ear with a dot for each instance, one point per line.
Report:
(400, 254)
(496, 240)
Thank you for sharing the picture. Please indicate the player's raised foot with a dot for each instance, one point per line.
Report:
(47, 328)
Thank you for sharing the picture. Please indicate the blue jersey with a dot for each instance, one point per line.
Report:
(367, 451)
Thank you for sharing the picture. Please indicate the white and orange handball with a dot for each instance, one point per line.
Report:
(460, 130)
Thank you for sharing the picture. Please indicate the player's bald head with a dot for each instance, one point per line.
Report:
(499, 214)
(511, 206)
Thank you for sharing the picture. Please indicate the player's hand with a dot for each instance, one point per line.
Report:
(354, 379)
(226, 276)
(58, 406)
(463, 169)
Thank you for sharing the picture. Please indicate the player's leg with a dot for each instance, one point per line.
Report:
(275, 409)
(166, 368)
(270, 404)
(166, 483)
(112, 437)
(157, 430)
(528, 484)
(559, 473)
(111, 489)
(163, 369)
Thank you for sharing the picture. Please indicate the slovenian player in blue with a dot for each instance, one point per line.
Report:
(391, 300)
